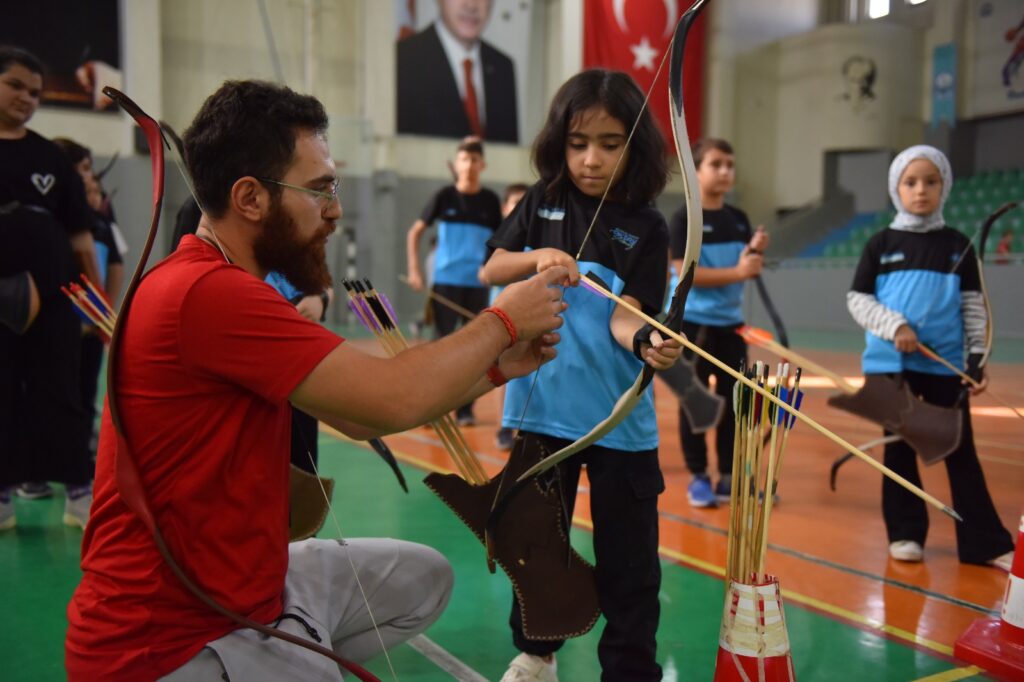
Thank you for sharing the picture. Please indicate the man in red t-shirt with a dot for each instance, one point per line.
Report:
(210, 358)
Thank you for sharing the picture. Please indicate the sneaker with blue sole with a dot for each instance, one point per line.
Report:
(699, 494)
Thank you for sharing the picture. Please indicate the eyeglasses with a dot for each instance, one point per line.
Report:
(326, 198)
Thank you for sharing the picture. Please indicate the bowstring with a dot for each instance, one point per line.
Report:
(604, 195)
(625, 147)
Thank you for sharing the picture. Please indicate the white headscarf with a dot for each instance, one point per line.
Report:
(905, 220)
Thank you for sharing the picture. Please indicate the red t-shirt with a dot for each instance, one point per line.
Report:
(210, 355)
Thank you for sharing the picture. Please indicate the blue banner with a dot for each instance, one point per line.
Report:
(944, 85)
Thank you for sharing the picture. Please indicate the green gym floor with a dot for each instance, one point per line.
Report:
(39, 571)
(852, 613)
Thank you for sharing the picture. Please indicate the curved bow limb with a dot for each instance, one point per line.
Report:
(127, 475)
(694, 238)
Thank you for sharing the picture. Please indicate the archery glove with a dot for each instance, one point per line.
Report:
(974, 368)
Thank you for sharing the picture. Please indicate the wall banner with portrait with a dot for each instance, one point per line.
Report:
(998, 59)
(461, 67)
(78, 42)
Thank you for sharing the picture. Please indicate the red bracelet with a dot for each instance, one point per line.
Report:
(495, 376)
(505, 320)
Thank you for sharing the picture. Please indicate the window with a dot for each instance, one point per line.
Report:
(877, 8)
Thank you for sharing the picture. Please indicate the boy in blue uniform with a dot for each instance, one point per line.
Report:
(467, 215)
(731, 254)
(918, 281)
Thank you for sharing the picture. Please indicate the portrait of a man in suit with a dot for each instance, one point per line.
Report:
(451, 83)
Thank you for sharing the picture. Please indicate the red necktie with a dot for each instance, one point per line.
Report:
(472, 110)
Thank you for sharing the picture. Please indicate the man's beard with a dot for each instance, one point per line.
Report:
(278, 248)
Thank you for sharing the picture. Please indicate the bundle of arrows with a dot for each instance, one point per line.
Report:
(375, 312)
(93, 305)
(762, 430)
(753, 643)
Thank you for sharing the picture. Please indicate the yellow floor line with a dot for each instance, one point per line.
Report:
(954, 674)
(709, 567)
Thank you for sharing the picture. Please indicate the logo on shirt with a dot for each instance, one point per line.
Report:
(625, 238)
(551, 213)
(450, 212)
(44, 183)
(708, 228)
(891, 258)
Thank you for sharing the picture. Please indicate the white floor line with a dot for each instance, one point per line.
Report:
(444, 660)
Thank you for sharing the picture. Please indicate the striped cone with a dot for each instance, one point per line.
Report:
(997, 644)
(753, 645)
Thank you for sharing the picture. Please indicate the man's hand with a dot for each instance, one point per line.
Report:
(415, 280)
(554, 258)
(527, 356)
(311, 308)
(750, 264)
(905, 339)
(534, 305)
(660, 353)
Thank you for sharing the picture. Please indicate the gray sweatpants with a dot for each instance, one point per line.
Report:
(407, 586)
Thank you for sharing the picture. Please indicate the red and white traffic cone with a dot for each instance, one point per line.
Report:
(997, 644)
(753, 644)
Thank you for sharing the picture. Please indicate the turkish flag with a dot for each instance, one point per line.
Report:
(632, 36)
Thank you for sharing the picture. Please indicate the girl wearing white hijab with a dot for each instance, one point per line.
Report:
(918, 281)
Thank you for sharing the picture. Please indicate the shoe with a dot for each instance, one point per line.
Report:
(906, 550)
(7, 520)
(699, 494)
(34, 490)
(505, 439)
(464, 416)
(529, 668)
(1003, 562)
(723, 489)
(76, 509)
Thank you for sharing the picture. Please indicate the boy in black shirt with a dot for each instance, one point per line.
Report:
(467, 215)
(39, 384)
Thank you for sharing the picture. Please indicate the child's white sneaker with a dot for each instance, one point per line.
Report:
(906, 550)
(528, 668)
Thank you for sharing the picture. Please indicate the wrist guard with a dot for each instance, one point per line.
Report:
(642, 336)
(974, 368)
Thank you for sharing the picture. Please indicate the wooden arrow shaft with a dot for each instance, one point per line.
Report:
(849, 447)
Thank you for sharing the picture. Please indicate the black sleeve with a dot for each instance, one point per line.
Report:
(73, 211)
(867, 268)
(743, 222)
(186, 221)
(492, 209)
(677, 233)
(514, 231)
(970, 278)
(649, 275)
(434, 207)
